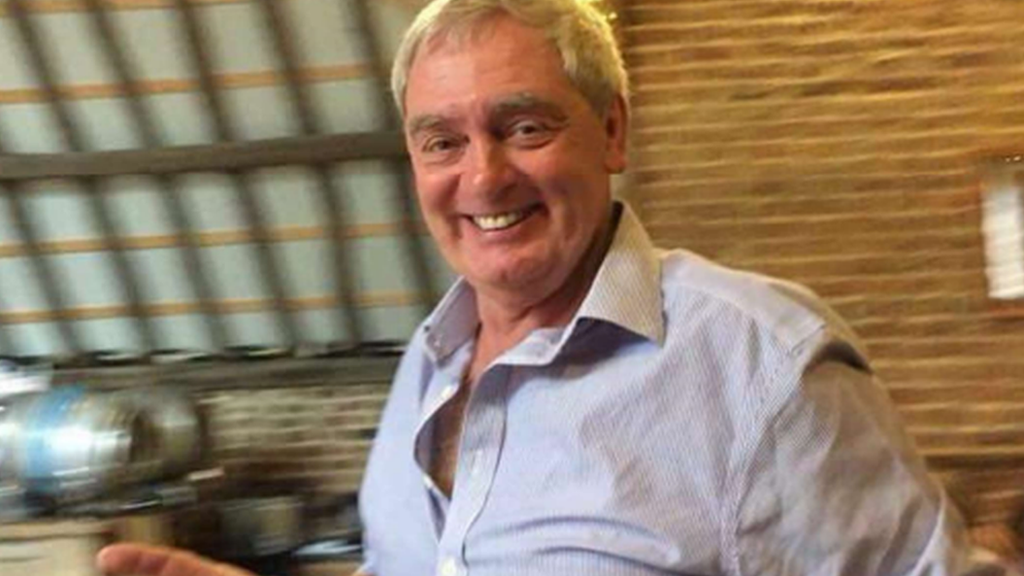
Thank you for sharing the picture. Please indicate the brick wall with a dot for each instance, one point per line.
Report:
(315, 437)
(311, 441)
(836, 143)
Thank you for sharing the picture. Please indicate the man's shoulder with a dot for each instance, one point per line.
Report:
(788, 312)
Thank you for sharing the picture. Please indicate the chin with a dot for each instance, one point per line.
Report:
(519, 276)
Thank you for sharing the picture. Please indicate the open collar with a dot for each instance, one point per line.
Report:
(626, 292)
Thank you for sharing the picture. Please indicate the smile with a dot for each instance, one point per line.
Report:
(494, 222)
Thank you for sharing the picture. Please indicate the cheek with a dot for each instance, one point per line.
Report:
(579, 202)
(571, 189)
(430, 193)
(557, 179)
(435, 206)
(573, 164)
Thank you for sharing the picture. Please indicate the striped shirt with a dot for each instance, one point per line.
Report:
(690, 419)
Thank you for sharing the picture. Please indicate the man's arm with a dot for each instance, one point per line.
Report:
(146, 560)
(835, 487)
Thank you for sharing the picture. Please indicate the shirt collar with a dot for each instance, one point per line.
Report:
(453, 321)
(626, 292)
(627, 289)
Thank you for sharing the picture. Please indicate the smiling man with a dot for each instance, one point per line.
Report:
(512, 165)
(582, 403)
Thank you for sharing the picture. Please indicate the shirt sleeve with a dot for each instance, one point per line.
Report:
(832, 486)
(367, 568)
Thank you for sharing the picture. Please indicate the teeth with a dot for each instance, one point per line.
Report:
(499, 221)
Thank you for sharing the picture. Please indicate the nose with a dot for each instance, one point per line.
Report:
(491, 170)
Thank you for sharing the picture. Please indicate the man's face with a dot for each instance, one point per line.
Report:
(512, 164)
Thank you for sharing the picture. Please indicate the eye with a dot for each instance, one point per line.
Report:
(529, 132)
(440, 144)
(441, 148)
(527, 128)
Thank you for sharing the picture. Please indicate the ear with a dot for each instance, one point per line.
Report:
(616, 127)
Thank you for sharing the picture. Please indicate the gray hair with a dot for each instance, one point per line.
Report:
(578, 30)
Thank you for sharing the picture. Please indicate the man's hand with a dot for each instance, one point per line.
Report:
(146, 560)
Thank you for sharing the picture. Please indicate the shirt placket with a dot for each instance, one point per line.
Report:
(443, 386)
(483, 429)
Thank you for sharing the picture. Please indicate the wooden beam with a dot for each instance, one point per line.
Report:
(228, 306)
(224, 81)
(6, 343)
(43, 268)
(7, 347)
(145, 127)
(207, 239)
(981, 458)
(36, 50)
(245, 195)
(221, 157)
(73, 139)
(401, 193)
(59, 6)
(290, 373)
(329, 190)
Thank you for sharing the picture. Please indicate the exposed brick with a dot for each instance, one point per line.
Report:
(926, 327)
(313, 437)
(955, 415)
(838, 143)
(964, 393)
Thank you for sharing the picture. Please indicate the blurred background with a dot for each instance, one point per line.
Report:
(210, 196)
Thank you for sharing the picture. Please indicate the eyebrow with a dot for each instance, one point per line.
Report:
(514, 104)
(425, 122)
(527, 102)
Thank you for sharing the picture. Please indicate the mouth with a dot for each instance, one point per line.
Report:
(501, 221)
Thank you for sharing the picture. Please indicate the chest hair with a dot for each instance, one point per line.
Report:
(446, 437)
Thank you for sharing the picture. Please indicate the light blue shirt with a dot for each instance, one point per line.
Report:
(690, 419)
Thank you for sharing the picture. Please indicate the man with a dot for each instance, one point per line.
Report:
(582, 403)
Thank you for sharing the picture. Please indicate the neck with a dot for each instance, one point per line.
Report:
(504, 322)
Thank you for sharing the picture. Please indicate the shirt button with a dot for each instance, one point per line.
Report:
(449, 568)
(448, 391)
